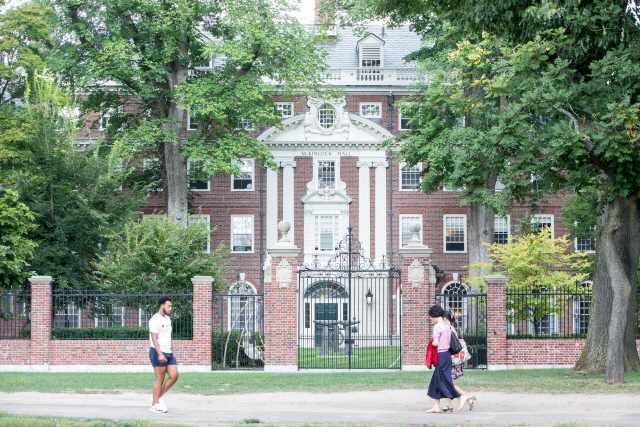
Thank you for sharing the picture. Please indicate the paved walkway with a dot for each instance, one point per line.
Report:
(393, 407)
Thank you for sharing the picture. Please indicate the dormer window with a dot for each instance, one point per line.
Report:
(370, 50)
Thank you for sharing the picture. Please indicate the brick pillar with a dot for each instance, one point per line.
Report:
(496, 322)
(281, 305)
(202, 318)
(40, 321)
(417, 297)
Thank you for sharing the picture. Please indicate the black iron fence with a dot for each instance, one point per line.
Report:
(98, 314)
(542, 313)
(470, 310)
(238, 331)
(15, 314)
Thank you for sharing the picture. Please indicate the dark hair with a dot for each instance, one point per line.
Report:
(450, 317)
(162, 300)
(436, 311)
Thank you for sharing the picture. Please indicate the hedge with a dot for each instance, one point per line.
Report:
(219, 341)
(114, 333)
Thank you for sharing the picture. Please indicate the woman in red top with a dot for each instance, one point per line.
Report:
(441, 385)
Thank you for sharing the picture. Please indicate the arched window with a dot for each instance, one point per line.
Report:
(326, 290)
(244, 308)
(453, 299)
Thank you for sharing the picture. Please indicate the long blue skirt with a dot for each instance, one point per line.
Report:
(441, 385)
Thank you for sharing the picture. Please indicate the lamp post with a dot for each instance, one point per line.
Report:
(369, 296)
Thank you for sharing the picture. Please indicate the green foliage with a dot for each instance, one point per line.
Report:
(156, 254)
(111, 333)
(24, 42)
(535, 264)
(232, 342)
(16, 249)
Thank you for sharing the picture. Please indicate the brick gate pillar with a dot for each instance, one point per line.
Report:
(417, 296)
(202, 319)
(281, 305)
(40, 321)
(496, 322)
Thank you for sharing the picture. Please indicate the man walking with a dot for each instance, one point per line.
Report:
(161, 355)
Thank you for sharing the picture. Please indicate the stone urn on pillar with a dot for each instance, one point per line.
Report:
(418, 294)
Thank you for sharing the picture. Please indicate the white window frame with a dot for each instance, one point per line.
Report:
(316, 230)
(230, 302)
(575, 310)
(280, 106)
(553, 326)
(189, 127)
(575, 243)
(499, 186)
(104, 319)
(377, 104)
(244, 160)
(253, 233)
(152, 216)
(196, 189)
(145, 164)
(465, 304)
(508, 217)
(536, 220)
(207, 220)
(140, 314)
(402, 166)
(107, 115)
(371, 41)
(70, 307)
(400, 121)
(316, 171)
(400, 227)
(251, 126)
(444, 233)
(20, 311)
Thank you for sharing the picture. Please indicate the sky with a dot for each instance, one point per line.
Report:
(307, 8)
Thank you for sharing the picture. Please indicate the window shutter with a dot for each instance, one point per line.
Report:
(371, 56)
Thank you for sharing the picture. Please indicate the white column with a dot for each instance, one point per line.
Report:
(272, 208)
(287, 195)
(381, 209)
(364, 207)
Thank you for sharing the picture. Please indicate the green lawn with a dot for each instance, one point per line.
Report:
(555, 381)
(369, 357)
(9, 420)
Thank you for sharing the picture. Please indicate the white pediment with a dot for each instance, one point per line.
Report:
(325, 196)
(301, 129)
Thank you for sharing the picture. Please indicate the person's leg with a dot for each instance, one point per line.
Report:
(461, 391)
(160, 372)
(172, 370)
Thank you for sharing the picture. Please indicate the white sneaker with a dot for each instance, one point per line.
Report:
(161, 405)
(157, 408)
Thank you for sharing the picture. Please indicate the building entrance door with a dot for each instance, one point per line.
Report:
(325, 311)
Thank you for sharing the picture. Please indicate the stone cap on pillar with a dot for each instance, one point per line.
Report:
(415, 248)
(284, 248)
(496, 278)
(41, 279)
(201, 280)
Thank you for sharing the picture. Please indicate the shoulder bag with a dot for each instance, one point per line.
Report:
(456, 346)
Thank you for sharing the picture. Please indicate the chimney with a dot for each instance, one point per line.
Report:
(321, 18)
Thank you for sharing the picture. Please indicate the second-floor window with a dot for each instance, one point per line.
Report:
(372, 111)
(586, 244)
(326, 174)
(326, 116)
(455, 231)
(410, 176)
(242, 233)
(326, 232)
(285, 109)
(198, 178)
(244, 181)
(538, 222)
(500, 230)
(405, 222)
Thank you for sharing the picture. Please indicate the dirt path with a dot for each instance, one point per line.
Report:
(391, 407)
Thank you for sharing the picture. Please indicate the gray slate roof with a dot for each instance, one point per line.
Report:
(398, 43)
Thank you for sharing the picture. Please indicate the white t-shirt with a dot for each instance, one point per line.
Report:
(161, 325)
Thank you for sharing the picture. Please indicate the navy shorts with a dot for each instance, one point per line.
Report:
(153, 356)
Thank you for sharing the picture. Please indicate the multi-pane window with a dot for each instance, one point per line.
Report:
(371, 110)
(243, 310)
(245, 124)
(245, 180)
(67, 317)
(581, 309)
(242, 233)
(455, 227)
(201, 218)
(144, 315)
(547, 325)
(587, 244)
(406, 122)
(198, 178)
(326, 232)
(326, 116)
(538, 222)
(285, 109)
(153, 173)
(114, 318)
(326, 174)
(410, 176)
(405, 222)
(501, 229)
(194, 120)
(106, 116)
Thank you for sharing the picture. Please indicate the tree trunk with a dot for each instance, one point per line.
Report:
(174, 166)
(611, 343)
(481, 230)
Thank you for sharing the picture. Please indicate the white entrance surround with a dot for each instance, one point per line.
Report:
(313, 135)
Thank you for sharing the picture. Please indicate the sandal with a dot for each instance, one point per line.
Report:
(471, 402)
(448, 408)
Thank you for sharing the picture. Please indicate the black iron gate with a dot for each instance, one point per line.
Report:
(349, 312)
(470, 312)
(238, 330)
